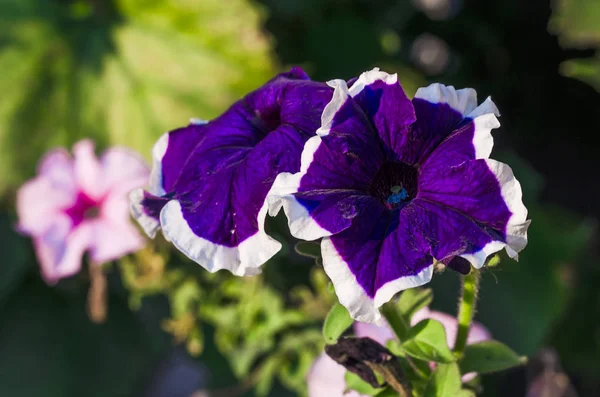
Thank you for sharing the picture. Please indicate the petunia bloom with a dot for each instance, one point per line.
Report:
(393, 185)
(210, 179)
(80, 204)
(326, 377)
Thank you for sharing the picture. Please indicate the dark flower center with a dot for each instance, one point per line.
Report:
(395, 184)
(83, 208)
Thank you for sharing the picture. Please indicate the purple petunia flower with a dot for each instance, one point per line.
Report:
(210, 179)
(79, 204)
(393, 185)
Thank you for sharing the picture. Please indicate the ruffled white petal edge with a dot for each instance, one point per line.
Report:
(483, 142)
(516, 228)
(342, 92)
(155, 187)
(148, 223)
(370, 77)
(159, 150)
(155, 184)
(281, 195)
(351, 294)
(463, 101)
(243, 260)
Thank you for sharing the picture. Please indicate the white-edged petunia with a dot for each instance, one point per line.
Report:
(210, 179)
(393, 185)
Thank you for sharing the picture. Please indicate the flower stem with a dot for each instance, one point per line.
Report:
(401, 329)
(395, 320)
(466, 310)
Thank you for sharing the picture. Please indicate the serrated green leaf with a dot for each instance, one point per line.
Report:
(414, 299)
(337, 322)
(445, 381)
(354, 382)
(427, 341)
(489, 356)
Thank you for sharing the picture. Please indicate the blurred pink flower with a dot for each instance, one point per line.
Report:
(326, 377)
(80, 204)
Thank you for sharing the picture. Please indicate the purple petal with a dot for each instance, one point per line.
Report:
(336, 169)
(215, 176)
(380, 254)
(388, 108)
(487, 192)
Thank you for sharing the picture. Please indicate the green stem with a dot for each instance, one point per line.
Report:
(466, 310)
(401, 328)
(395, 320)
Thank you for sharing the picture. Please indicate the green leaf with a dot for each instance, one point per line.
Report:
(267, 376)
(427, 341)
(445, 381)
(395, 347)
(466, 393)
(414, 299)
(310, 249)
(354, 382)
(489, 356)
(337, 322)
(387, 392)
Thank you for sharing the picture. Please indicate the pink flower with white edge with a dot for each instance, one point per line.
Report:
(78, 204)
(326, 377)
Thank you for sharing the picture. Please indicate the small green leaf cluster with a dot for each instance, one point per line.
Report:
(430, 367)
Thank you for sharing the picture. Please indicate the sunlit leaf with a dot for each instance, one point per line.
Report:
(445, 381)
(337, 322)
(427, 341)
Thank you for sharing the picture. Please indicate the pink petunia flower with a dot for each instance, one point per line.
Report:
(326, 377)
(78, 204)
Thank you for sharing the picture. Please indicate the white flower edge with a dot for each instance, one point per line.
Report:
(353, 297)
(242, 260)
(281, 195)
(148, 224)
(517, 225)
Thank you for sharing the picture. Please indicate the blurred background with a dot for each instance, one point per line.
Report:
(125, 71)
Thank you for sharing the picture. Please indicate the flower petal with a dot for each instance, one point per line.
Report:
(440, 225)
(210, 180)
(466, 186)
(242, 259)
(60, 249)
(463, 101)
(387, 107)
(88, 172)
(122, 171)
(378, 256)
(326, 379)
(336, 167)
(149, 221)
(112, 240)
(472, 140)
